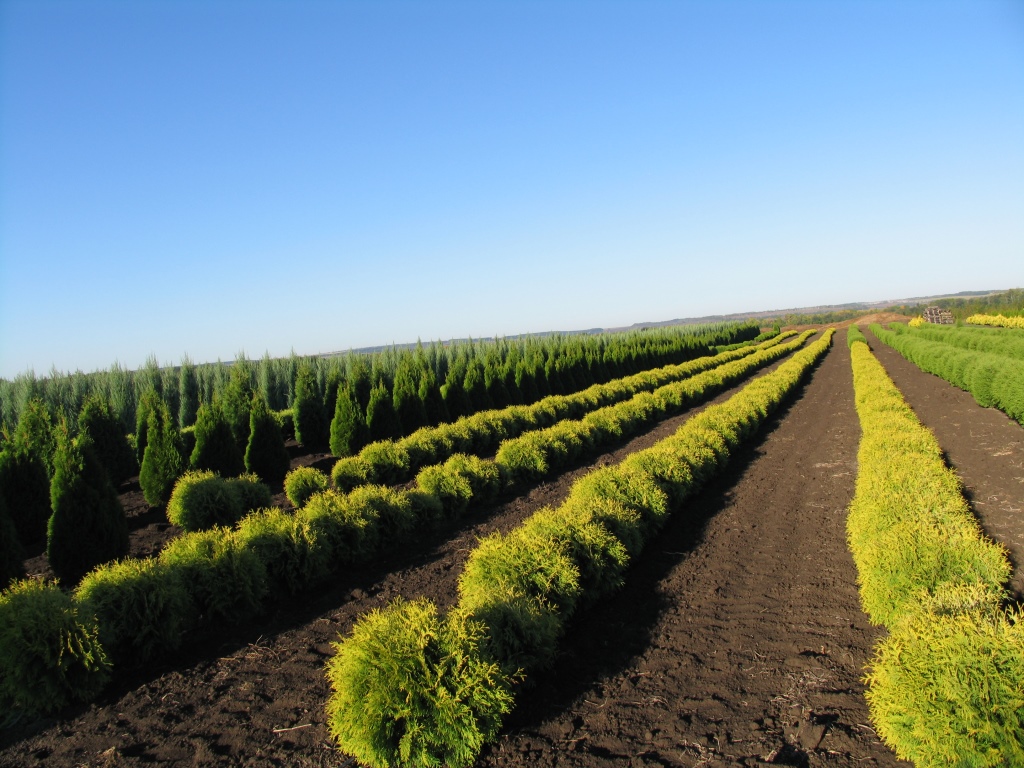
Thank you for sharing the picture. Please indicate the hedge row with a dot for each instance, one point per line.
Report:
(994, 380)
(999, 321)
(139, 610)
(998, 342)
(413, 689)
(396, 461)
(946, 687)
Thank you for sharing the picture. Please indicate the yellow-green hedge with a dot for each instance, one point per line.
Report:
(946, 687)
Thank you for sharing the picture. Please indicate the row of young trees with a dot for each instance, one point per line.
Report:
(186, 386)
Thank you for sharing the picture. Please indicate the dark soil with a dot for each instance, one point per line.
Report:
(984, 446)
(738, 637)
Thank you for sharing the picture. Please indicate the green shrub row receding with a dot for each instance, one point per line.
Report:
(519, 589)
(396, 461)
(140, 609)
(993, 379)
(853, 334)
(946, 687)
(1007, 343)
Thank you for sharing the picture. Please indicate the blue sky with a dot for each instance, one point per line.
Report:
(215, 177)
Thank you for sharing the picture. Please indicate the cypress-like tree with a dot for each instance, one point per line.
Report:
(236, 400)
(349, 432)
(359, 381)
(406, 398)
(526, 384)
(311, 426)
(35, 433)
(433, 402)
(113, 450)
(265, 455)
(25, 487)
(456, 401)
(381, 418)
(163, 462)
(215, 448)
(12, 556)
(494, 383)
(88, 524)
(188, 386)
(149, 402)
(476, 386)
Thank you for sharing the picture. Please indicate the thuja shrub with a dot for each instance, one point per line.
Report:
(350, 472)
(201, 500)
(12, 555)
(948, 688)
(303, 482)
(163, 460)
(853, 334)
(25, 487)
(215, 449)
(277, 540)
(312, 427)
(149, 402)
(50, 654)
(381, 418)
(88, 525)
(36, 433)
(349, 432)
(387, 461)
(336, 532)
(266, 454)
(225, 580)
(412, 689)
(113, 450)
(460, 480)
(141, 608)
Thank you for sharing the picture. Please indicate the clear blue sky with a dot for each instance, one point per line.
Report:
(210, 177)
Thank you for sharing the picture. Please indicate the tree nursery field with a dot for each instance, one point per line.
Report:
(707, 548)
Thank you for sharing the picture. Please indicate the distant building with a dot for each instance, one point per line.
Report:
(938, 316)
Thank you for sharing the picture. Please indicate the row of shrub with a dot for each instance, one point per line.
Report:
(946, 687)
(998, 342)
(994, 380)
(562, 362)
(412, 688)
(395, 461)
(128, 613)
(998, 321)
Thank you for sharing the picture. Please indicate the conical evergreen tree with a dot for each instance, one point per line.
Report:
(25, 488)
(163, 462)
(266, 455)
(359, 381)
(188, 386)
(433, 402)
(406, 398)
(35, 433)
(311, 426)
(215, 448)
(88, 524)
(381, 418)
(349, 432)
(235, 401)
(476, 386)
(12, 556)
(149, 401)
(456, 401)
(494, 383)
(526, 384)
(109, 441)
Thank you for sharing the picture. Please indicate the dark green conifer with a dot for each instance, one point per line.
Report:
(475, 385)
(494, 383)
(406, 398)
(359, 381)
(433, 402)
(381, 418)
(349, 432)
(163, 461)
(312, 429)
(236, 400)
(25, 487)
(456, 401)
(149, 401)
(188, 387)
(88, 524)
(113, 450)
(266, 455)
(35, 433)
(525, 384)
(215, 447)
(12, 556)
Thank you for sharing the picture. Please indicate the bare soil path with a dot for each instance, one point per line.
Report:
(254, 695)
(984, 446)
(738, 638)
